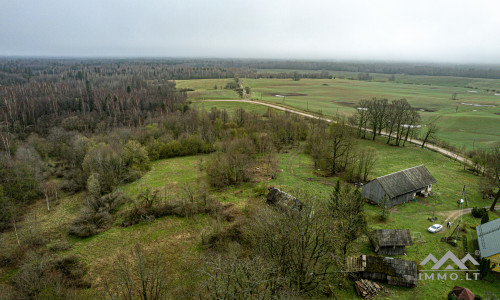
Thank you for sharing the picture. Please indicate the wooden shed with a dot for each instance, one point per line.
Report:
(393, 271)
(281, 199)
(391, 241)
(399, 187)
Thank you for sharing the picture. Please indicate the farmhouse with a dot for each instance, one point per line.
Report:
(488, 238)
(385, 269)
(399, 187)
(391, 241)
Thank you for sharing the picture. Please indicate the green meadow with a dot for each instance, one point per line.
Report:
(462, 122)
(180, 238)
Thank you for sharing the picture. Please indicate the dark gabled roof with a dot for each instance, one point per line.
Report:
(392, 237)
(406, 181)
(282, 199)
(488, 238)
(398, 271)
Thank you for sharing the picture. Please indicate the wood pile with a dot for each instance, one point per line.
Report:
(366, 288)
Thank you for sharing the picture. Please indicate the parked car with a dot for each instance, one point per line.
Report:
(435, 228)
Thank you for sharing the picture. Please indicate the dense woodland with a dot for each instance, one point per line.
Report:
(90, 126)
(15, 70)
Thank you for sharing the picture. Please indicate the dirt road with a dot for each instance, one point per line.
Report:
(455, 214)
(443, 151)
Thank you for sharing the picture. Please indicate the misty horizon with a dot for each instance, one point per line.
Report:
(452, 32)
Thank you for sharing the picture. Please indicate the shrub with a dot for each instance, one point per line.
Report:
(191, 201)
(96, 215)
(90, 223)
(43, 276)
(231, 165)
(485, 218)
(136, 156)
(60, 246)
(478, 212)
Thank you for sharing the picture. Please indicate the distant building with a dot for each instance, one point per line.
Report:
(391, 241)
(385, 269)
(399, 187)
(488, 239)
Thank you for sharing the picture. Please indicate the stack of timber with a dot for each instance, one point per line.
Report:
(366, 288)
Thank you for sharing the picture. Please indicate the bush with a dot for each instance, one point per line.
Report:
(479, 212)
(485, 218)
(96, 215)
(43, 276)
(59, 246)
(231, 165)
(136, 156)
(192, 200)
(90, 223)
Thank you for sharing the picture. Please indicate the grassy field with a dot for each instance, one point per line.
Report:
(180, 238)
(204, 89)
(230, 106)
(460, 124)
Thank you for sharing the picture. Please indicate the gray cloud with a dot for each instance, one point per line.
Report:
(437, 30)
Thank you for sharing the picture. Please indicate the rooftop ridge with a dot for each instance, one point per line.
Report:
(493, 227)
(400, 171)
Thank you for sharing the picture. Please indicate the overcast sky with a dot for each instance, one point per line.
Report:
(435, 30)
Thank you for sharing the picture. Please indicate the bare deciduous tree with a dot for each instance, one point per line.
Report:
(432, 129)
(298, 242)
(138, 275)
(231, 277)
(346, 209)
(50, 189)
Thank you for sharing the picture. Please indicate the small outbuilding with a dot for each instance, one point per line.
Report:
(281, 199)
(393, 271)
(462, 293)
(399, 187)
(391, 241)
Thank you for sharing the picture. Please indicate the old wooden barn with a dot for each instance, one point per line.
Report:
(399, 187)
(391, 241)
(283, 200)
(385, 269)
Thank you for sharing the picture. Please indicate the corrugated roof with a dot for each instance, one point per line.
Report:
(393, 237)
(488, 238)
(405, 181)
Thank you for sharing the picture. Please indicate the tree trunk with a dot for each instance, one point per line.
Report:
(492, 208)
(407, 133)
(15, 230)
(48, 201)
(425, 140)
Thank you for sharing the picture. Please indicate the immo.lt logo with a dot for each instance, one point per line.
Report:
(442, 270)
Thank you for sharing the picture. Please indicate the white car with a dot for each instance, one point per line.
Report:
(435, 228)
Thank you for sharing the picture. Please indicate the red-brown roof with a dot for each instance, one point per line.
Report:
(463, 293)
